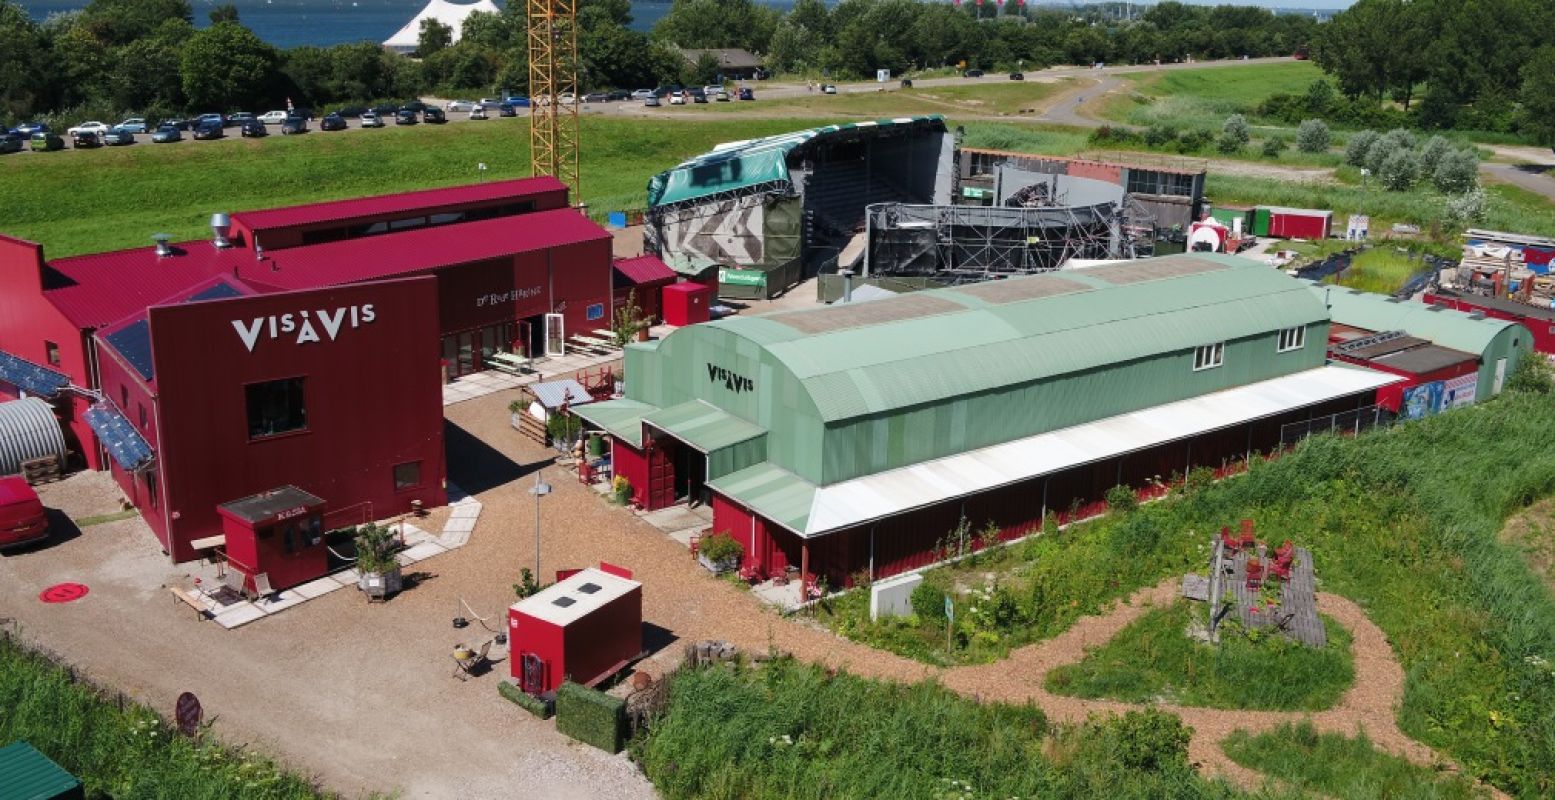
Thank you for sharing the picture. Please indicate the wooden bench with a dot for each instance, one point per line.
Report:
(509, 363)
(192, 599)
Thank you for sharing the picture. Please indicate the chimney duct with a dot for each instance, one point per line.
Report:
(847, 285)
(221, 226)
(162, 239)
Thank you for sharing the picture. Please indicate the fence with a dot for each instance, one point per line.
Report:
(1345, 422)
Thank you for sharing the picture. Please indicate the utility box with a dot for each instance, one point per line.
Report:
(686, 303)
(279, 533)
(584, 628)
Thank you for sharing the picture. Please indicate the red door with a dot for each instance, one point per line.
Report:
(661, 478)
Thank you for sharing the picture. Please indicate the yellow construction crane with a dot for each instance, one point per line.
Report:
(553, 90)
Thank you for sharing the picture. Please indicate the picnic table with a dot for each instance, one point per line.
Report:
(510, 363)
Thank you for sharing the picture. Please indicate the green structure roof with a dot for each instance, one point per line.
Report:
(26, 774)
(621, 417)
(703, 426)
(1440, 325)
(922, 347)
(739, 165)
(778, 494)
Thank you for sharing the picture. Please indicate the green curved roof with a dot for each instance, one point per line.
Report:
(855, 360)
(736, 165)
(1439, 325)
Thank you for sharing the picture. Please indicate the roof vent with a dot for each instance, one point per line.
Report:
(162, 239)
(221, 225)
(1435, 307)
(1474, 314)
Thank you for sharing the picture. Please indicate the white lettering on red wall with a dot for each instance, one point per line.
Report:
(304, 326)
(493, 298)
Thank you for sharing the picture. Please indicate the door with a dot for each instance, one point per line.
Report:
(464, 363)
(1495, 388)
(661, 476)
(555, 335)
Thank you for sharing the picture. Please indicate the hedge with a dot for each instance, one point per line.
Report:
(538, 706)
(591, 717)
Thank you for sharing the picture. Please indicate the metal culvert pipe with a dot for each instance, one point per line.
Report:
(28, 430)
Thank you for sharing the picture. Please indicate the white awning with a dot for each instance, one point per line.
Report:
(884, 494)
(450, 14)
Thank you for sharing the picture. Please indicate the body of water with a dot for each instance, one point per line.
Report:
(289, 23)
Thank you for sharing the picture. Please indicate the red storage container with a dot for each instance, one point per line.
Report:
(278, 534)
(686, 303)
(1300, 223)
(584, 629)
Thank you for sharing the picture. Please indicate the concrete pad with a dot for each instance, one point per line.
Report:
(465, 511)
(346, 578)
(317, 588)
(240, 614)
(405, 559)
(459, 525)
(673, 518)
(684, 535)
(425, 550)
(282, 601)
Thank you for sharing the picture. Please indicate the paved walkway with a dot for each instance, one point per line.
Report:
(480, 384)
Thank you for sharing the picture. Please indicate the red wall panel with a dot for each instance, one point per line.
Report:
(489, 292)
(1111, 173)
(631, 464)
(580, 285)
(597, 644)
(372, 396)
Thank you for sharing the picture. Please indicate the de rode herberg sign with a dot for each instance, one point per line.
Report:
(305, 326)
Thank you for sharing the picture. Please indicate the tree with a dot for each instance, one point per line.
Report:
(1399, 170)
(144, 73)
(25, 64)
(1457, 172)
(225, 12)
(1359, 147)
(1538, 95)
(119, 22)
(1313, 136)
(434, 36)
(1431, 153)
(227, 66)
(1236, 128)
(1390, 143)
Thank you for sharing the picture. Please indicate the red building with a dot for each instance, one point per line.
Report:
(1418, 361)
(298, 346)
(583, 628)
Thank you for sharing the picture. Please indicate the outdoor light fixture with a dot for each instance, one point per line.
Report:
(540, 489)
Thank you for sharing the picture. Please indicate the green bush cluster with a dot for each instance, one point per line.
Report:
(591, 716)
(537, 706)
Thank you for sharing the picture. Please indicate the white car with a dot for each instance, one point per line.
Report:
(722, 96)
(712, 89)
(478, 112)
(94, 126)
(677, 98)
(460, 105)
(642, 94)
(567, 99)
(273, 117)
(829, 88)
(370, 119)
(490, 103)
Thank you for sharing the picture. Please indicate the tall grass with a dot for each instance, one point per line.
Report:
(1205, 97)
(1340, 767)
(122, 749)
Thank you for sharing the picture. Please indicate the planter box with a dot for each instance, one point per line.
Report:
(717, 567)
(381, 585)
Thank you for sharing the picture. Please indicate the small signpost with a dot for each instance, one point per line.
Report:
(187, 713)
(950, 622)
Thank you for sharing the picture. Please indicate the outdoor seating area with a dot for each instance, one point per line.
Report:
(1260, 588)
(516, 371)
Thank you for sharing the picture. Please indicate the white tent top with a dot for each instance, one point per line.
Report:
(450, 14)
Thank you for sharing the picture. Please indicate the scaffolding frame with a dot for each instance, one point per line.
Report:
(553, 72)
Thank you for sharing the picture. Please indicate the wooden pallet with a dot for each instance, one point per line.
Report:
(42, 470)
(532, 429)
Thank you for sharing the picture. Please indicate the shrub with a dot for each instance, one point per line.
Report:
(1273, 146)
(537, 706)
(928, 602)
(1194, 141)
(591, 716)
(1533, 374)
(1384, 149)
(1160, 135)
(527, 586)
(375, 548)
(1149, 741)
(1431, 154)
(1399, 171)
(1359, 148)
(1313, 136)
(721, 548)
(1236, 129)
(1457, 171)
(563, 428)
(1122, 499)
(1228, 144)
(1471, 206)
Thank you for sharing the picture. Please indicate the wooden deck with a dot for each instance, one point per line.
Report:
(1296, 615)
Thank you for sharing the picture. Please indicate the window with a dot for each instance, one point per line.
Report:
(407, 475)
(151, 488)
(595, 311)
(275, 407)
(51, 350)
(142, 409)
(589, 588)
(124, 396)
(1209, 356)
(563, 601)
(1292, 339)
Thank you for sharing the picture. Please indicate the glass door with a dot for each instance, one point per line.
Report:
(555, 335)
(466, 358)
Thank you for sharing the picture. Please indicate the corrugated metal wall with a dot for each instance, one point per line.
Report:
(736, 457)
(28, 430)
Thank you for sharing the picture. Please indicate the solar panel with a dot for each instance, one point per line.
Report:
(125, 444)
(31, 378)
(219, 291)
(133, 341)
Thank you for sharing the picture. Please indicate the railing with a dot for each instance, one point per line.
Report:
(1344, 422)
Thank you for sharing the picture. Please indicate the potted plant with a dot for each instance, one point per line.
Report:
(628, 324)
(720, 553)
(564, 428)
(621, 489)
(516, 410)
(378, 574)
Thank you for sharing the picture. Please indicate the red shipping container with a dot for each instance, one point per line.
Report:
(1300, 223)
(584, 629)
(686, 303)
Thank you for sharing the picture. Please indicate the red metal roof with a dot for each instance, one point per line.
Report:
(643, 269)
(102, 288)
(336, 210)
(419, 249)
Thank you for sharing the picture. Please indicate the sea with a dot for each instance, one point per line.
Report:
(289, 23)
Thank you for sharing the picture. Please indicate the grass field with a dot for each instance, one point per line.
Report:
(1204, 98)
(1006, 97)
(1340, 767)
(121, 749)
(1154, 660)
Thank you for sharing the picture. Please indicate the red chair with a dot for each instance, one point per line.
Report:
(1281, 570)
(696, 544)
(1254, 573)
(1228, 541)
(1286, 551)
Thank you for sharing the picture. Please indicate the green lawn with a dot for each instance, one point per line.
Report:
(1154, 660)
(1203, 98)
(1381, 269)
(1340, 767)
(1008, 97)
(121, 749)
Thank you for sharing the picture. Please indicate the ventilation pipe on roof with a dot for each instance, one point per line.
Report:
(221, 226)
(162, 239)
(847, 285)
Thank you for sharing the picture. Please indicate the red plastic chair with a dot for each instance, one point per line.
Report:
(1254, 573)
(1228, 541)
(1281, 570)
(1286, 552)
(696, 544)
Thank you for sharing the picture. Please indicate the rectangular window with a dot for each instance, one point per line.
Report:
(142, 408)
(1209, 356)
(595, 311)
(1292, 339)
(124, 396)
(151, 488)
(51, 350)
(275, 407)
(407, 475)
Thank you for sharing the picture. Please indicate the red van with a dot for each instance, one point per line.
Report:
(21, 514)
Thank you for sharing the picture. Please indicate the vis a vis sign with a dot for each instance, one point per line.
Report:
(305, 326)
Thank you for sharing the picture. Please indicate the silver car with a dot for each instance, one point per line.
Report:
(370, 119)
(460, 106)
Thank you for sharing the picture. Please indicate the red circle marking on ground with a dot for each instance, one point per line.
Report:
(63, 593)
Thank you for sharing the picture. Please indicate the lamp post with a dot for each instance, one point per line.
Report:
(540, 489)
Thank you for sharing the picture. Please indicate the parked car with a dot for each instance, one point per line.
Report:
(747, 94)
(697, 95)
(416, 106)
(386, 110)
(405, 117)
(94, 127)
(180, 124)
(596, 97)
(567, 99)
(507, 110)
(165, 133)
(217, 118)
(478, 112)
(712, 89)
(22, 518)
(209, 129)
(460, 106)
(678, 98)
(118, 137)
(47, 140)
(352, 112)
(237, 119)
(291, 125)
(11, 142)
(643, 94)
(370, 119)
(618, 94)
(721, 96)
(273, 117)
(517, 101)
(489, 103)
(84, 139)
(254, 129)
(652, 101)
(828, 88)
(333, 122)
(27, 129)
(973, 73)
(133, 125)
(1017, 76)
(434, 116)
